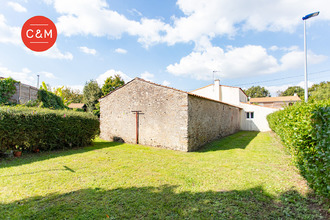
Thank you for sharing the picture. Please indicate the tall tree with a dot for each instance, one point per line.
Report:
(72, 95)
(256, 92)
(292, 90)
(92, 93)
(111, 83)
(320, 91)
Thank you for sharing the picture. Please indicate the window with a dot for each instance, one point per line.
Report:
(250, 115)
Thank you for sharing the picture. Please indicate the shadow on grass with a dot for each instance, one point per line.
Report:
(29, 157)
(239, 140)
(164, 203)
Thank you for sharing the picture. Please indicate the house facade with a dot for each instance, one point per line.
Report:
(276, 102)
(252, 118)
(160, 116)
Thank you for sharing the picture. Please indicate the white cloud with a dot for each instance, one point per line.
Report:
(9, 34)
(16, 6)
(53, 53)
(98, 20)
(295, 59)
(101, 78)
(87, 50)
(135, 12)
(76, 87)
(147, 76)
(166, 83)
(236, 62)
(232, 63)
(201, 22)
(220, 17)
(274, 89)
(120, 50)
(24, 75)
(48, 75)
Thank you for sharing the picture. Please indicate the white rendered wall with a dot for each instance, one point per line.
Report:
(230, 95)
(259, 122)
(208, 92)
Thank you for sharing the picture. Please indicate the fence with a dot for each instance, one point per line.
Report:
(24, 93)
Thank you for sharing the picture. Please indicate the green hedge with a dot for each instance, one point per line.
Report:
(305, 130)
(45, 129)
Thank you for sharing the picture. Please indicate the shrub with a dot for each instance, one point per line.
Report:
(305, 130)
(45, 129)
(50, 100)
(7, 89)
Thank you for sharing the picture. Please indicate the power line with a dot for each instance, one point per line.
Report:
(281, 78)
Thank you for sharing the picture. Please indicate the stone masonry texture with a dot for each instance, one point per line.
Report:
(164, 118)
(170, 118)
(209, 120)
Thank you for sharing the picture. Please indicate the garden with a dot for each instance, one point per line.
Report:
(248, 175)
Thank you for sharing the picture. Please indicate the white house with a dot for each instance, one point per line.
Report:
(253, 117)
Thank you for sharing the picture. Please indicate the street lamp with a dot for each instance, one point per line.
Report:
(305, 49)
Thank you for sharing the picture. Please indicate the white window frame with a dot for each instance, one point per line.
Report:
(249, 115)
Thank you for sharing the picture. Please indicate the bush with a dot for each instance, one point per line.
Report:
(50, 100)
(305, 130)
(45, 129)
(7, 89)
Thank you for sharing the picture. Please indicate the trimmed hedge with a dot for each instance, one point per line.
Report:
(45, 129)
(305, 130)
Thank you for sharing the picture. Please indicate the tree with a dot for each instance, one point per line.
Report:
(292, 90)
(72, 95)
(92, 93)
(320, 91)
(256, 92)
(111, 83)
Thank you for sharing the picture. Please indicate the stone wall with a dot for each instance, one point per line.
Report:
(210, 120)
(24, 93)
(163, 122)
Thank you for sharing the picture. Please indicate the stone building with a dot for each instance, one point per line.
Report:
(253, 117)
(167, 118)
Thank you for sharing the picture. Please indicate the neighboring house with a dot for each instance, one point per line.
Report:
(275, 102)
(77, 106)
(167, 117)
(253, 117)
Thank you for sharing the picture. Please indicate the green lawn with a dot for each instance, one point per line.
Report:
(245, 176)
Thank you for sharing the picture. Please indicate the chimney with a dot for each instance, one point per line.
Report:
(217, 89)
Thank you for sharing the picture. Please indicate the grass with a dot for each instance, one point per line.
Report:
(244, 176)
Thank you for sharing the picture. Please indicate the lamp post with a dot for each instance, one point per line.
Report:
(305, 49)
(38, 82)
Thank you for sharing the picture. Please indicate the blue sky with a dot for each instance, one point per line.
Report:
(174, 43)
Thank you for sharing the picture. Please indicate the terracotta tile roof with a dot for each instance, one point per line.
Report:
(276, 99)
(76, 105)
(137, 78)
